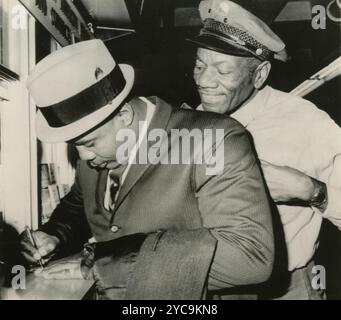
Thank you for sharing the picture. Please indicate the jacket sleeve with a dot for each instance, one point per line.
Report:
(235, 208)
(68, 221)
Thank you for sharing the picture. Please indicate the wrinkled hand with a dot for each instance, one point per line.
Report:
(287, 184)
(66, 268)
(46, 245)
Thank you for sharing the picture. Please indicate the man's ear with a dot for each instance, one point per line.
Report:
(261, 74)
(126, 114)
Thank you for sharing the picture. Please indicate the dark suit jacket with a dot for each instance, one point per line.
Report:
(233, 205)
(164, 265)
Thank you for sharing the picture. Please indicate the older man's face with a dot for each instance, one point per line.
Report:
(224, 82)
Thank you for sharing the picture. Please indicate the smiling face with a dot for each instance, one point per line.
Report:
(224, 82)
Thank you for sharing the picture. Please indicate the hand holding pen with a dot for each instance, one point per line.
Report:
(37, 246)
(34, 244)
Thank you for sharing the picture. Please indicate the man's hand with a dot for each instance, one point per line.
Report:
(287, 184)
(46, 245)
(66, 268)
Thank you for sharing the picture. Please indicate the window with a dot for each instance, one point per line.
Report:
(5, 6)
(14, 23)
(18, 188)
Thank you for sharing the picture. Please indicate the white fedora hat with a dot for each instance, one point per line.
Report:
(76, 88)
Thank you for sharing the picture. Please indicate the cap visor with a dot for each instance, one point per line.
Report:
(215, 44)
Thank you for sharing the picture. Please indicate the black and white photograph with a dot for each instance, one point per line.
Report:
(170, 150)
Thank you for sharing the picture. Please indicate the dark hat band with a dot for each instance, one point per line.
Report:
(228, 33)
(87, 101)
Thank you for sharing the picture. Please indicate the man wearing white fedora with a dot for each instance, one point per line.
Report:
(158, 231)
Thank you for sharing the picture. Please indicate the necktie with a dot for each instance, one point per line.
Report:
(114, 187)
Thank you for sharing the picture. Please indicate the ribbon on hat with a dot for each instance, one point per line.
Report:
(85, 102)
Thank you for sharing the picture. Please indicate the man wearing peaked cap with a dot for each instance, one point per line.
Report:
(209, 232)
(229, 28)
(299, 145)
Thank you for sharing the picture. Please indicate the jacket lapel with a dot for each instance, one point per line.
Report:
(159, 121)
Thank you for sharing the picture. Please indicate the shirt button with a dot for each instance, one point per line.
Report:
(114, 229)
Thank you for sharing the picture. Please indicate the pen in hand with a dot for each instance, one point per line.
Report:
(34, 244)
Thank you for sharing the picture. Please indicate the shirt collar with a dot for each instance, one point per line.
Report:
(149, 115)
(246, 113)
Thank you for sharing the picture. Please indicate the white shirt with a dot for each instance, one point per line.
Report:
(150, 112)
(290, 131)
